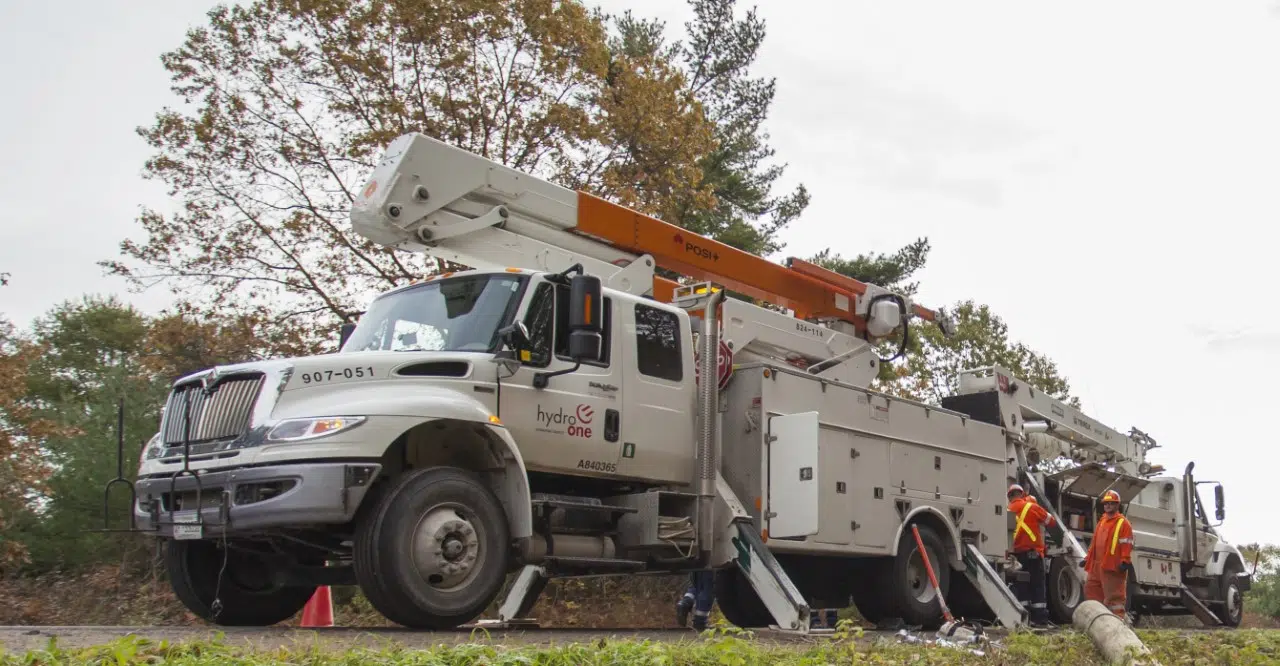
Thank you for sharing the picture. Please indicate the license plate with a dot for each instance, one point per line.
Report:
(186, 526)
(186, 532)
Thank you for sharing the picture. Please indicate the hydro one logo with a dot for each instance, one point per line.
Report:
(575, 424)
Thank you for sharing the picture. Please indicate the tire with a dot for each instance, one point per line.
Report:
(868, 598)
(1231, 607)
(907, 591)
(1062, 591)
(435, 551)
(247, 594)
(738, 602)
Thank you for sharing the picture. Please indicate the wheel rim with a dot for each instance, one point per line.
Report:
(1067, 590)
(1234, 607)
(921, 589)
(447, 550)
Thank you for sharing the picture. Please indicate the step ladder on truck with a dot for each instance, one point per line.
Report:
(562, 410)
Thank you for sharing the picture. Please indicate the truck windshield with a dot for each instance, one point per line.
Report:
(454, 314)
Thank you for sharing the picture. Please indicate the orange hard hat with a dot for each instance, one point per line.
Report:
(1111, 496)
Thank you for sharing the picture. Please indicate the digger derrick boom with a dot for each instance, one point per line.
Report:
(428, 196)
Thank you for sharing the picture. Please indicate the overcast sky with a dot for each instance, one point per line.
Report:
(1104, 175)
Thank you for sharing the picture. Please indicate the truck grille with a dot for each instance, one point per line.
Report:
(223, 415)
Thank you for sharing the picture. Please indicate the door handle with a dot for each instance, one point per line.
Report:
(612, 423)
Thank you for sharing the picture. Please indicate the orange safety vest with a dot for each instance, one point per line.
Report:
(1028, 533)
(1112, 544)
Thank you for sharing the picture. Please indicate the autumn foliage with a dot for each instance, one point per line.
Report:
(294, 100)
(23, 468)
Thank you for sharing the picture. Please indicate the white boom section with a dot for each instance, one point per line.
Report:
(428, 196)
(754, 333)
(1026, 410)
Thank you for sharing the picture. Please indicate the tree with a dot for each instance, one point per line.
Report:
(891, 271)
(91, 352)
(22, 467)
(717, 58)
(60, 387)
(181, 342)
(1264, 596)
(933, 367)
(931, 363)
(294, 100)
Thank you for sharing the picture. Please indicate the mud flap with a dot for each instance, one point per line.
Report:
(776, 591)
(991, 586)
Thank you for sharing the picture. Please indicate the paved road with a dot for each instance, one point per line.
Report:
(21, 639)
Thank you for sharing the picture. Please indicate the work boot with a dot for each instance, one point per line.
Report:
(700, 620)
(682, 610)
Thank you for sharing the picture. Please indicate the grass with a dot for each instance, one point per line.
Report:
(723, 647)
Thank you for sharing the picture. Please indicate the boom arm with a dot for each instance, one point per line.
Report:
(1052, 426)
(428, 196)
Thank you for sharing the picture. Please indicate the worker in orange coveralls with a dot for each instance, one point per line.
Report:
(1108, 562)
(1029, 549)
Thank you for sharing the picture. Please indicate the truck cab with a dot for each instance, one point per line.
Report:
(448, 372)
(1176, 549)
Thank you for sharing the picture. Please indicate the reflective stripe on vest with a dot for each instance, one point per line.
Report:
(1026, 506)
(1115, 536)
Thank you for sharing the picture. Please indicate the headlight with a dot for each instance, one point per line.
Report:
(153, 448)
(296, 430)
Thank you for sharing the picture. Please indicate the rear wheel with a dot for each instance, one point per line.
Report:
(229, 586)
(738, 602)
(1062, 590)
(434, 553)
(907, 590)
(1132, 609)
(867, 594)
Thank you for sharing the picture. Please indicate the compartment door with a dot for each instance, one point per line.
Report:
(793, 475)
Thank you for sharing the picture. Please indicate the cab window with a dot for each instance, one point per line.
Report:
(658, 343)
(540, 320)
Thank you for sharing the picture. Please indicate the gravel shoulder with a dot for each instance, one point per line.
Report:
(21, 639)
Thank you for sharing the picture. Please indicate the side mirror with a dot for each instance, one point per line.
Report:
(586, 342)
(1221, 501)
(345, 332)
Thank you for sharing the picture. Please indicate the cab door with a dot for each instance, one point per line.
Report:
(659, 402)
(571, 425)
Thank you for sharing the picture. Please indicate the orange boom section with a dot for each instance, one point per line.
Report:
(807, 289)
(845, 282)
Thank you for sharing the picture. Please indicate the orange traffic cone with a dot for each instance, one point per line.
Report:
(319, 610)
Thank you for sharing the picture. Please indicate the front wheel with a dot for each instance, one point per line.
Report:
(1231, 609)
(434, 553)
(230, 587)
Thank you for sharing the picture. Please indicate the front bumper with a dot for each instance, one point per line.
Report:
(252, 498)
